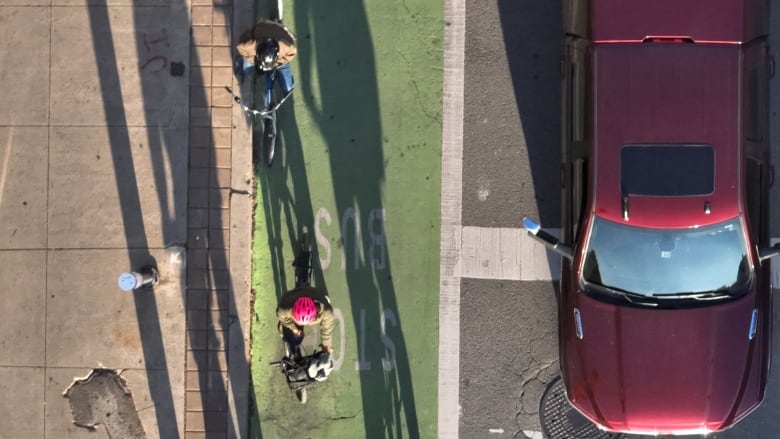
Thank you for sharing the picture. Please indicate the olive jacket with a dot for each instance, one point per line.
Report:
(247, 43)
(324, 312)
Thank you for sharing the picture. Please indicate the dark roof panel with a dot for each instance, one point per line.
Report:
(667, 170)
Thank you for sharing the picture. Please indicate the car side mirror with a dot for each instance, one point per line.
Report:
(765, 253)
(535, 231)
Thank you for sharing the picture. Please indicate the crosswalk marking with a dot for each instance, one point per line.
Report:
(505, 253)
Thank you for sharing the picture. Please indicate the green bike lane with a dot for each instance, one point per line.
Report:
(358, 166)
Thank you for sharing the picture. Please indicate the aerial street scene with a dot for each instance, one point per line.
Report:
(259, 219)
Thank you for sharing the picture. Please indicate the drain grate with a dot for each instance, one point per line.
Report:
(562, 421)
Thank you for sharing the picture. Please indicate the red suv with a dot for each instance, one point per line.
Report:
(665, 309)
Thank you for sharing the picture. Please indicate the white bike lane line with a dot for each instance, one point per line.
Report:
(451, 211)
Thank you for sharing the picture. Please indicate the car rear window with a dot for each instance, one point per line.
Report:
(667, 170)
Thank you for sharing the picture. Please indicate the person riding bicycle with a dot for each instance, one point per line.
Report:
(306, 306)
(266, 47)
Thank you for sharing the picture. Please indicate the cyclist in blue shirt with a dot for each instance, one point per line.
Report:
(267, 46)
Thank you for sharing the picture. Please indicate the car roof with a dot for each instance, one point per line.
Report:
(667, 95)
(701, 20)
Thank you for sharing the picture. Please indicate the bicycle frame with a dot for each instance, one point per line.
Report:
(270, 79)
(267, 114)
(267, 109)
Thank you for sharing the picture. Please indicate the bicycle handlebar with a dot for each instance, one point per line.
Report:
(252, 111)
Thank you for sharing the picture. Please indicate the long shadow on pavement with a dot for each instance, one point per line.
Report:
(286, 198)
(223, 328)
(288, 213)
(349, 121)
(213, 391)
(532, 34)
(132, 217)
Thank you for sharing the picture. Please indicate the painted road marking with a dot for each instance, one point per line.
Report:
(451, 207)
(376, 256)
(505, 253)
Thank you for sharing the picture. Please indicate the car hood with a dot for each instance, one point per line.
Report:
(663, 370)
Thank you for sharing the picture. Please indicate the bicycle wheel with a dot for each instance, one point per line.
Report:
(269, 139)
(302, 395)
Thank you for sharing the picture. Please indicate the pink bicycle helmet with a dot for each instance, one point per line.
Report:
(304, 311)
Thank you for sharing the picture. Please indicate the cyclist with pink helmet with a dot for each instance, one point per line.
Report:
(306, 306)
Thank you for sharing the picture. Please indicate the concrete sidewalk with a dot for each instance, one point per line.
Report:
(119, 148)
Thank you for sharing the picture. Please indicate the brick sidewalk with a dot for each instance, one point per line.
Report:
(217, 303)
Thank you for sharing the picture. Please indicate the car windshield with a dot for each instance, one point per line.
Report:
(667, 262)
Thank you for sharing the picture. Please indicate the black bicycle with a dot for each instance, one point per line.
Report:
(302, 371)
(267, 115)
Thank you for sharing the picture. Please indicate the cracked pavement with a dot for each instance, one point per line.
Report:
(509, 354)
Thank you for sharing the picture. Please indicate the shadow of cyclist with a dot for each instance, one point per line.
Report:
(335, 36)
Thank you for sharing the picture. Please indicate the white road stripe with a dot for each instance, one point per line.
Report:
(505, 253)
(451, 208)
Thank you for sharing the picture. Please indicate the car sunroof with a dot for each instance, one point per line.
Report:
(667, 170)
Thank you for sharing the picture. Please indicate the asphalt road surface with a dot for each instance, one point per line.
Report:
(511, 154)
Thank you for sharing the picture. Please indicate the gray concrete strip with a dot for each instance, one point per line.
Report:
(240, 258)
(451, 209)
(505, 253)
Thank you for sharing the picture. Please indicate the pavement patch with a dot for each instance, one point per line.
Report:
(104, 398)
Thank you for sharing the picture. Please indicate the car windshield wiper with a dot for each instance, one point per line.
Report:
(634, 298)
(719, 294)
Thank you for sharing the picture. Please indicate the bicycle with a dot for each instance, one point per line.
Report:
(267, 113)
(301, 371)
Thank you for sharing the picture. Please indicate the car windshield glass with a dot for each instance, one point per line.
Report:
(658, 262)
